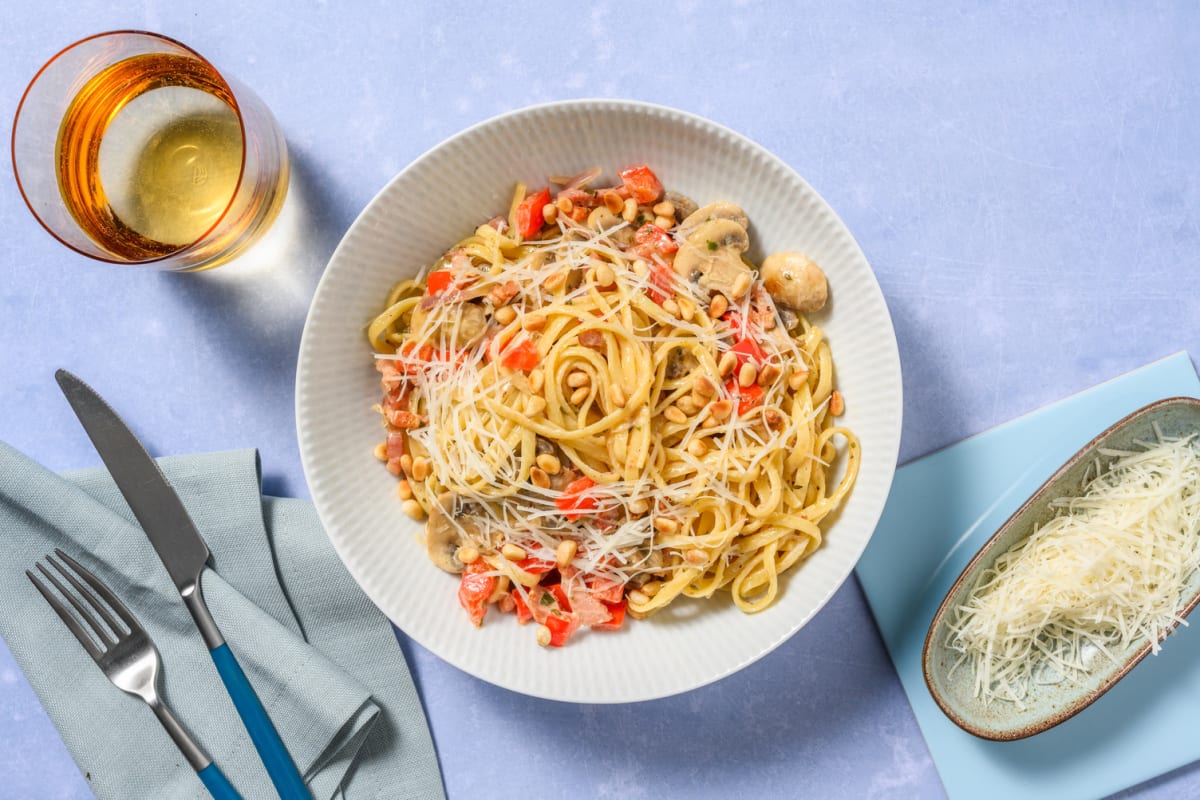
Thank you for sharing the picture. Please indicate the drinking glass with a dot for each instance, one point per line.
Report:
(131, 148)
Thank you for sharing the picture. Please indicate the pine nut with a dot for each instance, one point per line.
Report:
(466, 554)
(504, 315)
(687, 308)
(721, 409)
(539, 478)
(605, 277)
(513, 552)
(718, 306)
(768, 374)
(533, 322)
(406, 464)
(727, 363)
(543, 636)
(617, 395)
(710, 422)
(704, 386)
(664, 209)
(697, 447)
(638, 596)
(579, 395)
(629, 210)
(639, 506)
(641, 268)
(549, 463)
(666, 525)
(555, 280)
(695, 557)
(651, 588)
(578, 378)
(663, 222)
(837, 404)
(404, 489)
(537, 379)
(550, 213)
(671, 307)
(741, 285)
(747, 375)
(673, 414)
(565, 552)
(535, 405)
(613, 202)
(797, 379)
(772, 417)
(565, 206)
(688, 405)
(413, 509)
(420, 468)
(381, 451)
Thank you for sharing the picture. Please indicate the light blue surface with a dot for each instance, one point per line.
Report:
(1022, 177)
(941, 511)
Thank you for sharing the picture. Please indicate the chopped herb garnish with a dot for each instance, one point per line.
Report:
(547, 599)
(712, 245)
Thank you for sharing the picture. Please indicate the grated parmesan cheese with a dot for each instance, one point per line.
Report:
(1110, 570)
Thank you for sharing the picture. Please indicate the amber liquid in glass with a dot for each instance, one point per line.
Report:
(150, 155)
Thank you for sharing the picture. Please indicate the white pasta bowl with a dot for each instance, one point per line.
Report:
(438, 200)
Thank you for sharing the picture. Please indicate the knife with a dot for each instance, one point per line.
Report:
(185, 555)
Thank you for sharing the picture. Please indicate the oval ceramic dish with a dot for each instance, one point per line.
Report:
(439, 199)
(1047, 705)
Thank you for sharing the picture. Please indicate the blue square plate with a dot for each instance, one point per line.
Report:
(942, 508)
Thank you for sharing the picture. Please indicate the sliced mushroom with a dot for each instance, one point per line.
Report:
(795, 281)
(714, 250)
(467, 326)
(684, 205)
(680, 362)
(603, 220)
(715, 211)
(442, 537)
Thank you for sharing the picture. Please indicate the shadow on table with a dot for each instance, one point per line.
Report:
(253, 309)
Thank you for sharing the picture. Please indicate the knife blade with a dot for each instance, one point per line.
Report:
(184, 553)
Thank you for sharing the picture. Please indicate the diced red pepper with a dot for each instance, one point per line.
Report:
(650, 239)
(571, 504)
(521, 607)
(536, 566)
(529, 217)
(475, 589)
(749, 350)
(439, 281)
(523, 356)
(561, 629)
(642, 183)
(617, 618)
(560, 594)
(747, 396)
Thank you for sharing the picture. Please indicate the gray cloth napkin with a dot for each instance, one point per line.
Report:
(323, 660)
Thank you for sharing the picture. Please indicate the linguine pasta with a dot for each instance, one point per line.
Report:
(599, 407)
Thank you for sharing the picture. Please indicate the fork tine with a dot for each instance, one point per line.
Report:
(102, 589)
(101, 634)
(95, 583)
(66, 617)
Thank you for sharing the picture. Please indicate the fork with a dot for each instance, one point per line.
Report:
(128, 658)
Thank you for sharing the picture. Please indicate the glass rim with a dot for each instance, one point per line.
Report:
(236, 107)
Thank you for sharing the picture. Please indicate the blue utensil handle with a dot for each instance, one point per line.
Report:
(274, 755)
(217, 784)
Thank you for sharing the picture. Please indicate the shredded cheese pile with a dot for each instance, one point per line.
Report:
(1109, 571)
